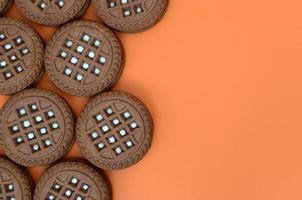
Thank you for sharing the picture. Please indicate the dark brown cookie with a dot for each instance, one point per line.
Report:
(36, 127)
(74, 181)
(52, 12)
(130, 15)
(114, 130)
(14, 182)
(21, 55)
(4, 6)
(84, 58)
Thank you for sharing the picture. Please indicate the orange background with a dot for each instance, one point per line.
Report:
(223, 82)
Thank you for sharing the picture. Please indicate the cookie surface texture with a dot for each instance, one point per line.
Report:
(36, 127)
(114, 130)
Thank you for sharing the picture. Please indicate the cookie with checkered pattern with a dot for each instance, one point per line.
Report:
(114, 130)
(36, 127)
(84, 58)
(52, 12)
(130, 15)
(21, 56)
(72, 180)
(15, 182)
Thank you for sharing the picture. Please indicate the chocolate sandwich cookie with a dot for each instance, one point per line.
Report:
(114, 130)
(130, 15)
(15, 183)
(36, 127)
(74, 181)
(21, 56)
(52, 12)
(4, 6)
(84, 58)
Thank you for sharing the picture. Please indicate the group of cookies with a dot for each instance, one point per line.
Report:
(83, 58)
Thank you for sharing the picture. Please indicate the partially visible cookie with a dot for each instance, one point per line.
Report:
(14, 182)
(73, 181)
(114, 130)
(84, 58)
(21, 55)
(36, 127)
(5, 5)
(129, 15)
(52, 12)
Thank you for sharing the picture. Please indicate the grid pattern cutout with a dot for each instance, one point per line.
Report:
(34, 127)
(114, 130)
(127, 7)
(14, 49)
(7, 189)
(73, 189)
(44, 4)
(82, 56)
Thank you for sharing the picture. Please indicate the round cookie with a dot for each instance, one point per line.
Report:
(14, 182)
(36, 127)
(21, 56)
(114, 130)
(52, 12)
(74, 181)
(4, 6)
(130, 16)
(84, 58)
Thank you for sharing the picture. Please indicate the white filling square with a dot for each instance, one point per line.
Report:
(129, 143)
(15, 128)
(85, 66)
(79, 198)
(10, 187)
(26, 123)
(86, 38)
(133, 125)
(127, 115)
(80, 77)
(101, 145)
(61, 3)
(118, 150)
(50, 114)
(85, 187)
(74, 180)
(68, 71)
(19, 40)
(30, 135)
(123, 132)
(124, 1)
(94, 135)
(63, 54)
(25, 51)
(43, 130)
(34, 107)
(139, 10)
(91, 54)
(80, 49)
(69, 43)
(8, 74)
(112, 139)
(68, 193)
(2, 36)
(43, 5)
(47, 142)
(116, 122)
(109, 111)
(51, 197)
(99, 117)
(19, 69)
(8, 46)
(57, 187)
(97, 43)
(112, 4)
(36, 147)
(102, 60)
(55, 125)
(19, 139)
(105, 128)
(38, 118)
(127, 13)
(13, 58)
(74, 60)
(97, 71)
(3, 63)
(22, 111)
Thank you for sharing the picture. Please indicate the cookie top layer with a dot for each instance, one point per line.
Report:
(114, 130)
(36, 127)
(84, 58)
(14, 183)
(5, 5)
(21, 55)
(51, 12)
(73, 181)
(129, 15)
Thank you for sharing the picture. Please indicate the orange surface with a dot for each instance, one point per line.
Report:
(223, 82)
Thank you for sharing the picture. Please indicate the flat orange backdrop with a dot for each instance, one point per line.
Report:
(223, 80)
